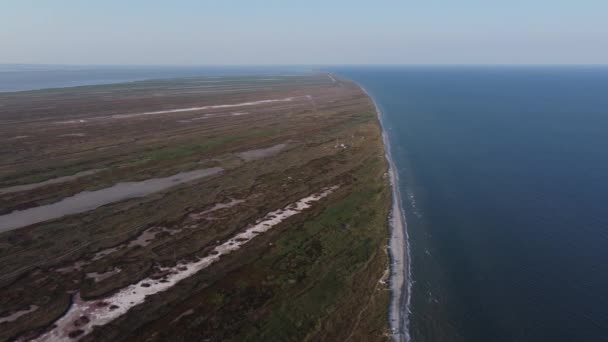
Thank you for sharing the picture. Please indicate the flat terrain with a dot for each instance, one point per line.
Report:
(207, 209)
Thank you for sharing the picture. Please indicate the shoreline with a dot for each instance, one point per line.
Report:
(399, 246)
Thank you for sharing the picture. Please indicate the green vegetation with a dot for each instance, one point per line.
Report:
(316, 276)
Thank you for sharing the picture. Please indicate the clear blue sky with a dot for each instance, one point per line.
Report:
(304, 32)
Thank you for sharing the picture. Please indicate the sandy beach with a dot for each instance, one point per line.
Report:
(400, 268)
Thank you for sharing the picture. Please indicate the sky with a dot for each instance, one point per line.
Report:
(203, 32)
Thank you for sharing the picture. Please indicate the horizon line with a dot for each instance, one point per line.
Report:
(297, 64)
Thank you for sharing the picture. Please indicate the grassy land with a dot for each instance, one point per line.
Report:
(318, 279)
(316, 276)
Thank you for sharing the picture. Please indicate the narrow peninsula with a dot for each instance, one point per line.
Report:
(207, 208)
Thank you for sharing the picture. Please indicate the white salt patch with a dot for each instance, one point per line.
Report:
(107, 251)
(97, 277)
(208, 116)
(17, 314)
(101, 312)
(77, 266)
(143, 239)
(73, 135)
(63, 179)
(184, 314)
(148, 235)
(18, 137)
(216, 207)
(71, 122)
(261, 152)
(195, 119)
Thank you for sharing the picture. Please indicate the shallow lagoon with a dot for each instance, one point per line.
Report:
(89, 200)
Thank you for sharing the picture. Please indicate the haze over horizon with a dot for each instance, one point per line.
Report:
(242, 32)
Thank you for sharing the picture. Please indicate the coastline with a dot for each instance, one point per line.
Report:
(400, 265)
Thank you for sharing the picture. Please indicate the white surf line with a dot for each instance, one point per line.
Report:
(83, 316)
(399, 249)
(180, 110)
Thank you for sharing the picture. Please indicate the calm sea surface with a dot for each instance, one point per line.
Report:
(504, 171)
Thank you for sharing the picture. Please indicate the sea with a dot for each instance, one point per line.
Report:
(503, 173)
(504, 177)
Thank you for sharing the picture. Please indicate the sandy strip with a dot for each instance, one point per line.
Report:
(180, 110)
(83, 316)
(400, 267)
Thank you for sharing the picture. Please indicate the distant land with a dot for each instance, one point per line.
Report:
(19, 77)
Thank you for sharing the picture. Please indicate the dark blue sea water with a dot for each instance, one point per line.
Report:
(505, 174)
(14, 77)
